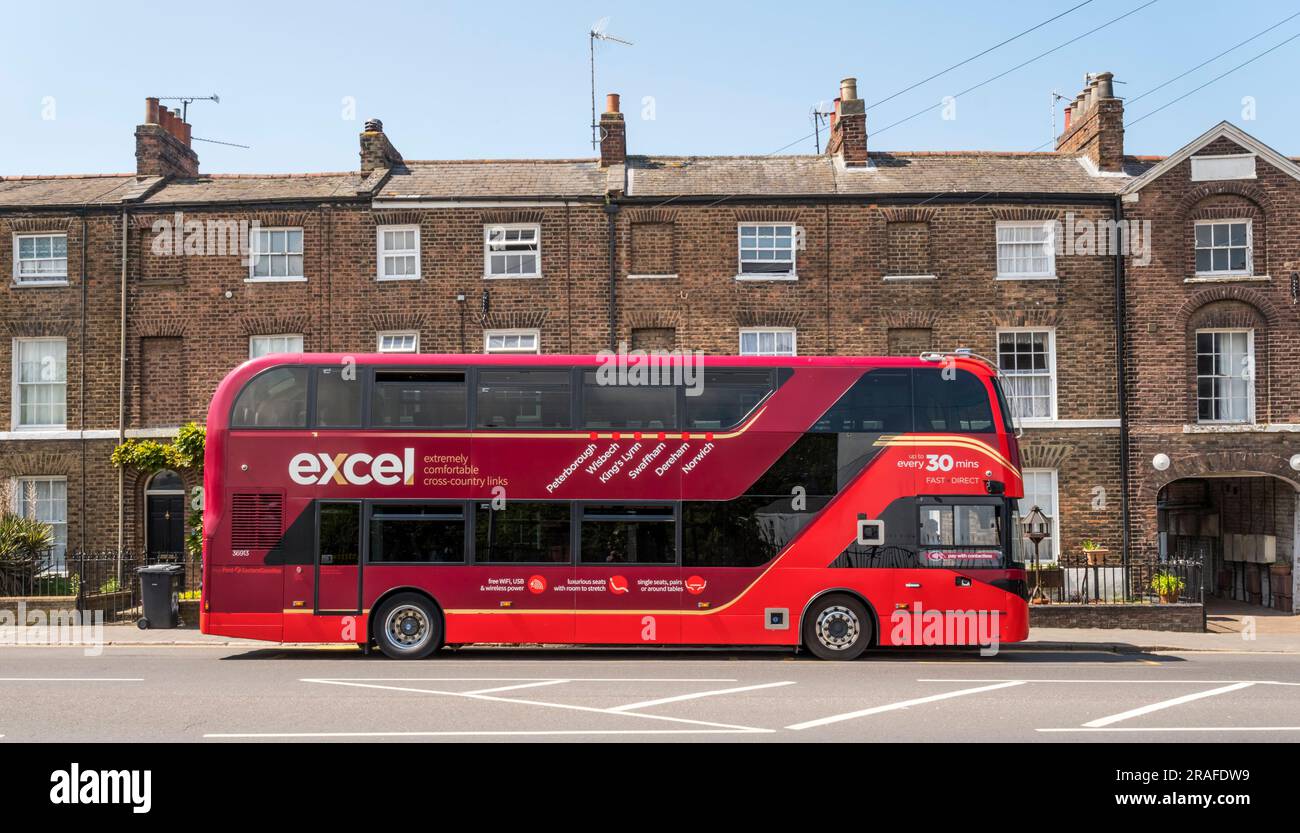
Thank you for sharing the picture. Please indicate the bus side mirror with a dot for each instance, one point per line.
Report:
(995, 487)
(871, 533)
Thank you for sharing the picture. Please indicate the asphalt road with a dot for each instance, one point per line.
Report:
(212, 694)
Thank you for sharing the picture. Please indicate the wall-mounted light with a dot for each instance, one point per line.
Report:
(1160, 462)
(1295, 461)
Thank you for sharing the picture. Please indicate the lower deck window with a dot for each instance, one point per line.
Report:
(417, 533)
(960, 526)
(522, 533)
(629, 535)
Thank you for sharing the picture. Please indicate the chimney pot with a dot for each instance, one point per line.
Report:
(611, 103)
(374, 126)
(151, 111)
(849, 89)
(1105, 85)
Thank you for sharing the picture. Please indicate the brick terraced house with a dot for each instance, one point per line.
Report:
(130, 299)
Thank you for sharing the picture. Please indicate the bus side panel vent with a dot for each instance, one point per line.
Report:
(257, 520)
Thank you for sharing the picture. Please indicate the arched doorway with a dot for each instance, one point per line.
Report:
(1246, 527)
(164, 500)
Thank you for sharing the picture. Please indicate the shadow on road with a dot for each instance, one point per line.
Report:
(486, 653)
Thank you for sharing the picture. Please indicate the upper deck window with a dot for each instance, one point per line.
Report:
(727, 397)
(899, 400)
(523, 399)
(274, 399)
(960, 403)
(633, 407)
(419, 399)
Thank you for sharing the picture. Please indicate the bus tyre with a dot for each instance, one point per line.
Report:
(408, 627)
(837, 627)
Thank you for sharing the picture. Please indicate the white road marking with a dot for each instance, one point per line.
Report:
(1104, 682)
(901, 705)
(1163, 704)
(1178, 729)
(71, 679)
(645, 704)
(453, 734)
(516, 701)
(534, 684)
(527, 679)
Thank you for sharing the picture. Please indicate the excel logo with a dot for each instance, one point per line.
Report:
(357, 469)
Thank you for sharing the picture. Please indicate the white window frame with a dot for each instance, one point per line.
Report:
(1053, 374)
(488, 251)
(254, 239)
(791, 275)
(1249, 271)
(537, 342)
(253, 339)
(48, 278)
(1248, 374)
(1049, 244)
(16, 386)
(381, 254)
(59, 562)
(379, 341)
(759, 331)
(1053, 512)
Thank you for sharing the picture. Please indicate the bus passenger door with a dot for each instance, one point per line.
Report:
(338, 556)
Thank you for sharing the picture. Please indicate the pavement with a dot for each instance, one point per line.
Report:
(213, 693)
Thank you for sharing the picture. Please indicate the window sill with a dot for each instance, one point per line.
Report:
(275, 280)
(910, 278)
(17, 284)
(766, 277)
(511, 277)
(1226, 278)
(387, 278)
(665, 277)
(1026, 277)
(1067, 423)
(1242, 428)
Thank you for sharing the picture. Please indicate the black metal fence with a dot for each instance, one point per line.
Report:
(101, 580)
(1147, 581)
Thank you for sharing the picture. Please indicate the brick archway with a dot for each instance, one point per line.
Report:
(1219, 463)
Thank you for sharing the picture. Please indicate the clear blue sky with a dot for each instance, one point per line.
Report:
(510, 79)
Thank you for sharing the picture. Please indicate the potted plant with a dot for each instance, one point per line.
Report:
(1167, 586)
(1095, 553)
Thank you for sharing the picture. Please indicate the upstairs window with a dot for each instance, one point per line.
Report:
(399, 253)
(1027, 363)
(511, 341)
(767, 341)
(767, 251)
(399, 343)
(1026, 249)
(726, 398)
(512, 251)
(276, 255)
(1225, 378)
(627, 407)
(419, 399)
(1223, 248)
(40, 258)
(259, 346)
(40, 382)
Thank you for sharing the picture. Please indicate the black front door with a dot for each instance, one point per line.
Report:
(166, 532)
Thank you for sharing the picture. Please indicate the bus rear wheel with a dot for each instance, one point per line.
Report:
(408, 627)
(837, 627)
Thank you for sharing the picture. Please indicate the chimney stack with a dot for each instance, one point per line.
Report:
(1094, 125)
(848, 137)
(613, 134)
(376, 151)
(162, 144)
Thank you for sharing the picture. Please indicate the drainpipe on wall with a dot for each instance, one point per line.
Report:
(1121, 386)
(81, 351)
(121, 401)
(611, 211)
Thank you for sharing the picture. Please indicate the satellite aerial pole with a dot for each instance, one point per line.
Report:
(598, 33)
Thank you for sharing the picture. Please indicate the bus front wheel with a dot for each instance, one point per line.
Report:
(408, 627)
(837, 627)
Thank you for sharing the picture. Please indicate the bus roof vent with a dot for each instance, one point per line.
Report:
(256, 521)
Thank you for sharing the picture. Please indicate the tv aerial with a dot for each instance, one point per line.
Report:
(596, 33)
(186, 101)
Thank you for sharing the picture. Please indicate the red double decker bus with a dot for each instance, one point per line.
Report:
(417, 501)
